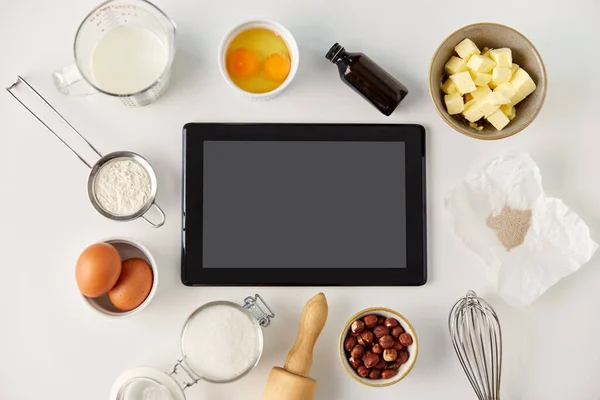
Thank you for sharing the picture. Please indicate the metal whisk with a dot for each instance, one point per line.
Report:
(476, 336)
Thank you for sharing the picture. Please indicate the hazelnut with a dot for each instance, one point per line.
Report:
(374, 374)
(397, 345)
(356, 362)
(391, 322)
(362, 371)
(370, 321)
(405, 339)
(380, 321)
(387, 373)
(381, 331)
(377, 349)
(361, 341)
(394, 366)
(357, 326)
(371, 360)
(367, 337)
(390, 355)
(381, 364)
(349, 343)
(397, 331)
(357, 352)
(387, 342)
(402, 357)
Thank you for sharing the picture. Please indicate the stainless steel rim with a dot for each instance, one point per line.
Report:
(230, 304)
(129, 155)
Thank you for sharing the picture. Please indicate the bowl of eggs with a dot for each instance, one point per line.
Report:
(487, 81)
(116, 277)
(259, 59)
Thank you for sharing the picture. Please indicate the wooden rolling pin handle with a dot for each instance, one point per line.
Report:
(312, 321)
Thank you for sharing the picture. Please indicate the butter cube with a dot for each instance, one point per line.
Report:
(487, 105)
(486, 52)
(502, 57)
(507, 89)
(464, 83)
(515, 67)
(509, 111)
(466, 48)
(480, 78)
(500, 75)
(517, 98)
(455, 65)
(480, 93)
(498, 119)
(523, 82)
(449, 87)
(454, 103)
(480, 64)
(499, 98)
(471, 112)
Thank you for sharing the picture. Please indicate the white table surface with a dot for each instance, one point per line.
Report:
(52, 346)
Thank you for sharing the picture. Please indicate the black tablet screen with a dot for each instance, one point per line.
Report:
(304, 204)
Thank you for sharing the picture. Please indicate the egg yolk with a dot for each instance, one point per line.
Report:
(243, 63)
(276, 67)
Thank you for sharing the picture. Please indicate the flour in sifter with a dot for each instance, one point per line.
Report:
(122, 187)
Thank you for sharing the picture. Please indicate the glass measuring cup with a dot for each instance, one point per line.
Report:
(141, 25)
(151, 384)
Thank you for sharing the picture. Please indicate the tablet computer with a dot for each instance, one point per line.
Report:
(303, 204)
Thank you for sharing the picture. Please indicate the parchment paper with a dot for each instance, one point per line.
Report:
(557, 244)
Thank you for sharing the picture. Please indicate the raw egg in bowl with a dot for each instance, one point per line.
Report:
(259, 59)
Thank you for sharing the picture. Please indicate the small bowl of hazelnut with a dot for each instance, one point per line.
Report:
(378, 347)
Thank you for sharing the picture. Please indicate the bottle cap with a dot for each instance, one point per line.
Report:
(333, 52)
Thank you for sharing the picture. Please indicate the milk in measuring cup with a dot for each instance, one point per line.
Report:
(128, 59)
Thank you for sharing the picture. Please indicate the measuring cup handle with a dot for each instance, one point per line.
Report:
(68, 81)
(162, 217)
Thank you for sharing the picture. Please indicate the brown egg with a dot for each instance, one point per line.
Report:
(98, 269)
(133, 285)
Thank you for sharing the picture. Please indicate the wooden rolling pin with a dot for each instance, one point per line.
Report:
(292, 382)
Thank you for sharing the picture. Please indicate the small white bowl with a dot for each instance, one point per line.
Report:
(127, 248)
(413, 349)
(287, 37)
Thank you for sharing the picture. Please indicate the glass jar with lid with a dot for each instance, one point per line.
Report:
(221, 342)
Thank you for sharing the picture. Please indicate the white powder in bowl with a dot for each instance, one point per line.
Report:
(221, 343)
(122, 186)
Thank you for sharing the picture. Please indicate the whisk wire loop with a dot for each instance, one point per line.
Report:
(477, 340)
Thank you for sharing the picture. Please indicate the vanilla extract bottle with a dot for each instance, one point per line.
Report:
(368, 79)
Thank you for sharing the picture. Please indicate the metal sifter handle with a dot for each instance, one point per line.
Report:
(10, 90)
(87, 164)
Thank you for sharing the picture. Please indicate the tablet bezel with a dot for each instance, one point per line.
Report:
(414, 274)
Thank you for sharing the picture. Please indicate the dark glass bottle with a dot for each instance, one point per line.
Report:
(368, 79)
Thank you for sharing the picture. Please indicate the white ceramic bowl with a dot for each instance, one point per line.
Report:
(127, 248)
(404, 369)
(275, 27)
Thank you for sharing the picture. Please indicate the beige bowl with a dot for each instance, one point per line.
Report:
(404, 369)
(524, 53)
